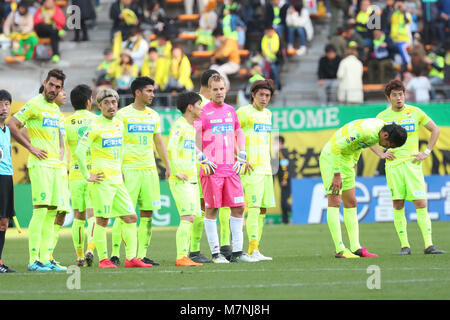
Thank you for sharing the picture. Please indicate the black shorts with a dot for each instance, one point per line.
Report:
(6, 197)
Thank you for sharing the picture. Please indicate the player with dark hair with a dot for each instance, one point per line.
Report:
(337, 167)
(256, 122)
(75, 126)
(404, 173)
(41, 115)
(142, 132)
(6, 175)
(183, 181)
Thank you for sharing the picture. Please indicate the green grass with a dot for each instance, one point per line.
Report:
(303, 267)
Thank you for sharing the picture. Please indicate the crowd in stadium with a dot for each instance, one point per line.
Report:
(407, 39)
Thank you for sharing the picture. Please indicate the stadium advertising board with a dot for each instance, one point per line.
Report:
(374, 200)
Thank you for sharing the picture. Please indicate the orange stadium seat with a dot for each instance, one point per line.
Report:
(244, 52)
(44, 40)
(202, 54)
(61, 3)
(13, 59)
(370, 87)
(189, 17)
(187, 36)
(365, 69)
(291, 52)
(153, 37)
(174, 1)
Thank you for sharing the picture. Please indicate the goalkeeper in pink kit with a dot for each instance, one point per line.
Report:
(217, 139)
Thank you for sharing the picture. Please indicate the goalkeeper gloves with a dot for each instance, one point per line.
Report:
(208, 167)
(241, 160)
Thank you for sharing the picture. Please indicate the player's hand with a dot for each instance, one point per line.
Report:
(96, 177)
(419, 157)
(208, 166)
(241, 162)
(38, 153)
(336, 184)
(387, 155)
(248, 168)
(182, 176)
(168, 173)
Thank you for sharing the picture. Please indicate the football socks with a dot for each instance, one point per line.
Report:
(400, 227)
(351, 224)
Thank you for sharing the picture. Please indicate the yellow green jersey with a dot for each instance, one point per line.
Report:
(181, 150)
(104, 138)
(205, 101)
(257, 127)
(139, 129)
(75, 127)
(62, 129)
(345, 146)
(42, 121)
(410, 118)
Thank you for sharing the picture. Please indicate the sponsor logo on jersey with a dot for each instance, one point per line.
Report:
(215, 121)
(222, 128)
(238, 199)
(50, 122)
(189, 144)
(228, 119)
(112, 142)
(262, 127)
(141, 127)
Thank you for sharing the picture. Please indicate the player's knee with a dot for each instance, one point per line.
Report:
(188, 218)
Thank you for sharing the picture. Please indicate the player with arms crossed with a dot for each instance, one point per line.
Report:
(110, 198)
(404, 173)
(183, 181)
(142, 131)
(75, 126)
(256, 122)
(41, 116)
(337, 162)
(220, 172)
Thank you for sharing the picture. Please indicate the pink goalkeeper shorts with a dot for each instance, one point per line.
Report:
(220, 192)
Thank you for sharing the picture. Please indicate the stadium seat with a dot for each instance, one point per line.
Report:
(44, 40)
(202, 54)
(13, 59)
(61, 3)
(291, 52)
(187, 36)
(244, 53)
(365, 69)
(373, 87)
(174, 1)
(152, 37)
(189, 17)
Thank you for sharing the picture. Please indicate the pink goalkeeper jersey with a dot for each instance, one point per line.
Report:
(219, 124)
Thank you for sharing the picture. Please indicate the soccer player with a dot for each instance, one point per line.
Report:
(142, 132)
(41, 116)
(110, 199)
(221, 185)
(404, 173)
(183, 181)
(198, 224)
(256, 122)
(337, 167)
(76, 125)
(6, 173)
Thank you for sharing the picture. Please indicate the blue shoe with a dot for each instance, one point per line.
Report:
(54, 266)
(38, 266)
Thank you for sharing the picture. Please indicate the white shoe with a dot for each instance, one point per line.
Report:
(220, 259)
(246, 258)
(301, 51)
(259, 256)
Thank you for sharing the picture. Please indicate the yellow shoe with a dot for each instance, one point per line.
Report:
(346, 254)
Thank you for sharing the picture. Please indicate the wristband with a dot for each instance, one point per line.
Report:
(427, 151)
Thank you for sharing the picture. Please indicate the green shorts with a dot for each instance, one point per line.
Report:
(258, 190)
(65, 195)
(186, 197)
(110, 200)
(347, 172)
(46, 186)
(406, 181)
(80, 195)
(143, 187)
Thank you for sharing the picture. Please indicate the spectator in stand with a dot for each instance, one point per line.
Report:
(226, 59)
(207, 23)
(153, 18)
(125, 15)
(276, 16)
(386, 15)
(339, 41)
(49, 21)
(444, 12)
(163, 45)
(19, 27)
(270, 49)
(327, 73)
(179, 78)
(151, 65)
(354, 37)
(361, 20)
(232, 25)
(382, 51)
(430, 20)
(436, 64)
(2, 15)
(400, 30)
(87, 13)
(419, 86)
(101, 73)
(414, 8)
(189, 6)
(137, 45)
(336, 6)
(298, 22)
(349, 74)
(123, 72)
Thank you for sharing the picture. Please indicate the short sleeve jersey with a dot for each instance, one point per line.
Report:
(62, 129)
(346, 144)
(75, 127)
(104, 137)
(181, 150)
(139, 129)
(42, 120)
(6, 168)
(410, 118)
(257, 127)
(219, 124)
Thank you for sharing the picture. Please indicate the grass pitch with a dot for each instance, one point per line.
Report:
(303, 267)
